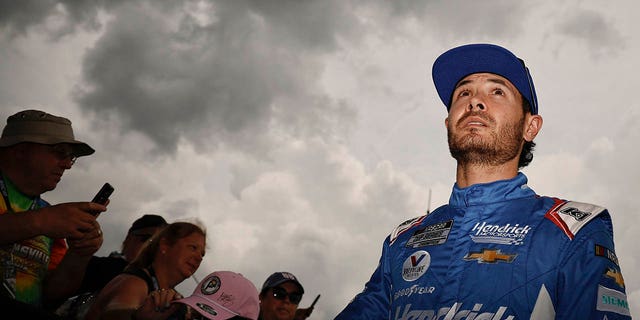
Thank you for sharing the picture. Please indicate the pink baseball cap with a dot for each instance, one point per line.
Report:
(223, 295)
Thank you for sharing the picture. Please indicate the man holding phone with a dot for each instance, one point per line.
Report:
(44, 249)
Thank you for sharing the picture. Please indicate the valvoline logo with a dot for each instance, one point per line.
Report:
(416, 265)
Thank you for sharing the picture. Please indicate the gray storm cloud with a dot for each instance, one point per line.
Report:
(226, 72)
(599, 35)
(61, 17)
(226, 77)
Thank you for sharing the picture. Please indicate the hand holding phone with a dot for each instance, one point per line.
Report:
(303, 313)
(103, 195)
(314, 301)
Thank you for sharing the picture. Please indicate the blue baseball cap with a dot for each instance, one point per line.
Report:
(278, 278)
(459, 62)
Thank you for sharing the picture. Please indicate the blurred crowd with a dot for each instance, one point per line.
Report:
(47, 251)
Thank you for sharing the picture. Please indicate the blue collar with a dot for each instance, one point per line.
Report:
(492, 192)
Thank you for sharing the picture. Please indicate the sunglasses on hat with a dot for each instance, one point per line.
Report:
(281, 294)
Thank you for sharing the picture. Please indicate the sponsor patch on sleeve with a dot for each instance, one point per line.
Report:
(572, 216)
(403, 227)
(615, 275)
(602, 251)
(610, 300)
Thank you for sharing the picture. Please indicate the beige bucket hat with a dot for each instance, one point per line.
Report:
(40, 127)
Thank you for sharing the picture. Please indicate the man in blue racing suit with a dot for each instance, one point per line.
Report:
(497, 250)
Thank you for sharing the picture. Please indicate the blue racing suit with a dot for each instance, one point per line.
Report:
(497, 251)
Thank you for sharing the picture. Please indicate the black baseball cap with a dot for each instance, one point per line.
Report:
(147, 221)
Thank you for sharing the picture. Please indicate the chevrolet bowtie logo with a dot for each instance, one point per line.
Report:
(490, 256)
(615, 275)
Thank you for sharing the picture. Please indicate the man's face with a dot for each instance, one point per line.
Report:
(278, 306)
(486, 121)
(44, 165)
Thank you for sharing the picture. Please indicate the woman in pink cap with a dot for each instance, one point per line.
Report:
(224, 295)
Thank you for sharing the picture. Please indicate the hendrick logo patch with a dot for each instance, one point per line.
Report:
(499, 234)
(477, 312)
(430, 235)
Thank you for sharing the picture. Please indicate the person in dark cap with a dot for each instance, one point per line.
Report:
(497, 250)
(101, 270)
(44, 249)
(279, 298)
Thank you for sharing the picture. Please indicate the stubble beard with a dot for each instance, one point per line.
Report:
(499, 147)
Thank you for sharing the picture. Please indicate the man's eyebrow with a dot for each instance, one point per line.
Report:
(498, 80)
(494, 80)
(462, 83)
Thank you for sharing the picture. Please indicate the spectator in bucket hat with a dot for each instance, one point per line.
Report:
(40, 127)
(36, 148)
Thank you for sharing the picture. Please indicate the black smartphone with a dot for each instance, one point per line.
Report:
(103, 195)
(315, 300)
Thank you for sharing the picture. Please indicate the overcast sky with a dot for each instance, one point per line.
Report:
(302, 132)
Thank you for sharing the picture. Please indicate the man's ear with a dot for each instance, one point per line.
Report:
(20, 151)
(163, 245)
(446, 122)
(533, 124)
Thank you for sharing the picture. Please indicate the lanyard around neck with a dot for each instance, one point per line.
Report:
(154, 279)
(5, 195)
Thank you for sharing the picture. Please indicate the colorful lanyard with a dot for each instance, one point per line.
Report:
(5, 196)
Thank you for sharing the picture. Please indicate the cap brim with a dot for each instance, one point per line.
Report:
(277, 283)
(79, 148)
(206, 308)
